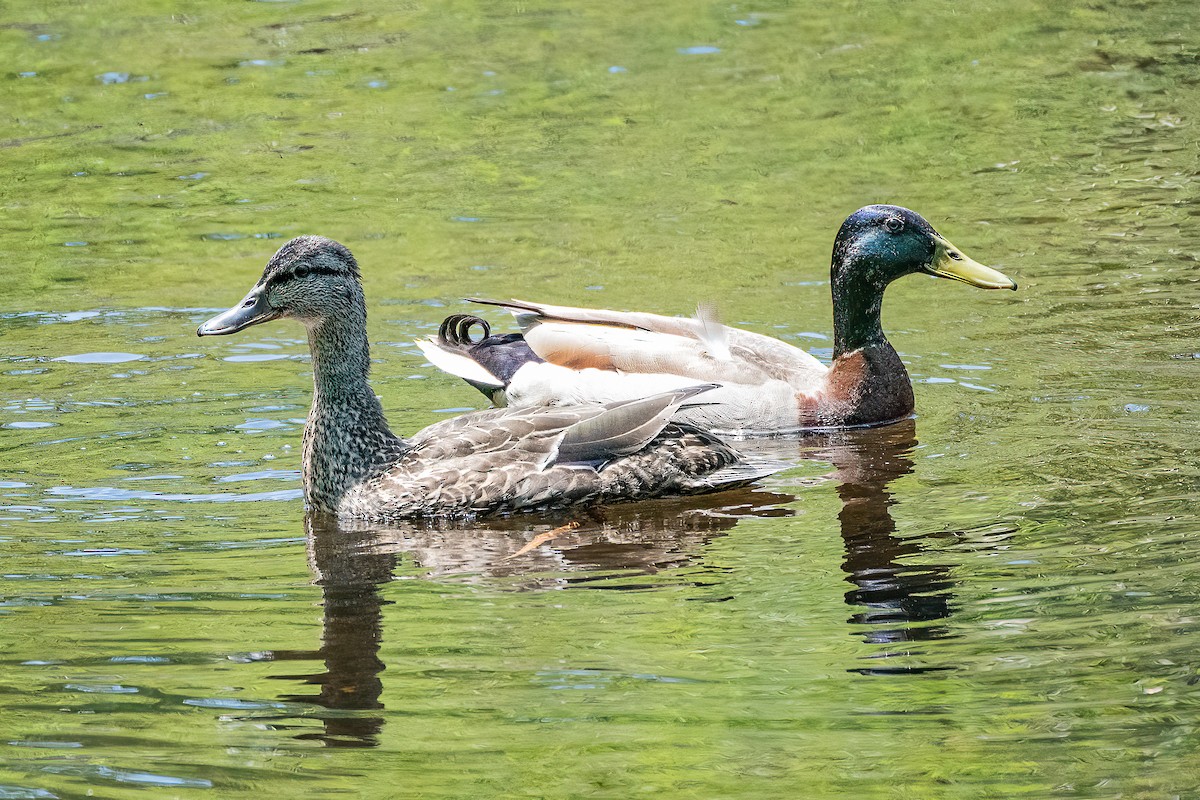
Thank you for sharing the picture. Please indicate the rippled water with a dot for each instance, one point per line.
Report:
(997, 599)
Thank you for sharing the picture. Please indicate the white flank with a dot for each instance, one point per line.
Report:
(731, 409)
(543, 384)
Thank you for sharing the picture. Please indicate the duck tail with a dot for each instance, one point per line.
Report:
(487, 362)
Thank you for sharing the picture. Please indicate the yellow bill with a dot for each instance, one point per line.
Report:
(950, 262)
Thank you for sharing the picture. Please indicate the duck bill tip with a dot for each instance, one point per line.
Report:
(209, 329)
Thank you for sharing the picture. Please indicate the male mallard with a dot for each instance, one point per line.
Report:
(569, 355)
(487, 462)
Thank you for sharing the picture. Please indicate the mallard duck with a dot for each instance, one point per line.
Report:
(482, 463)
(766, 386)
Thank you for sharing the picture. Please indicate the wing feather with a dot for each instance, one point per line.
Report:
(527, 312)
(623, 427)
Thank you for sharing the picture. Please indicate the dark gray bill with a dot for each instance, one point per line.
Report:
(253, 309)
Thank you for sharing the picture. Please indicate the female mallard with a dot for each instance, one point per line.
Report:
(766, 386)
(482, 463)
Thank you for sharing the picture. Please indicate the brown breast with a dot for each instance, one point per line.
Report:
(865, 386)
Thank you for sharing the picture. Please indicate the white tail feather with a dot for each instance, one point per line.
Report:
(457, 364)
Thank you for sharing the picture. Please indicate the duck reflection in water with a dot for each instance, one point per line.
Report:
(593, 549)
(897, 600)
(352, 561)
(349, 575)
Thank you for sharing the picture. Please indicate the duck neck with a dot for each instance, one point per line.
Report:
(346, 438)
(856, 314)
(868, 382)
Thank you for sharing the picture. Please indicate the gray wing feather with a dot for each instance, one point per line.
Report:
(623, 427)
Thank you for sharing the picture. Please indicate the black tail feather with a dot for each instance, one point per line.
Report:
(502, 355)
(455, 331)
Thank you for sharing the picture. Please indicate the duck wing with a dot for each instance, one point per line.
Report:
(527, 312)
(699, 348)
(623, 427)
(587, 434)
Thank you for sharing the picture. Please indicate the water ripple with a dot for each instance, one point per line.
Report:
(93, 771)
(108, 493)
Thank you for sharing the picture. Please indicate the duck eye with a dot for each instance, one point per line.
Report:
(894, 224)
(301, 272)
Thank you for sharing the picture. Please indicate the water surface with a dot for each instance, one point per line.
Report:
(996, 599)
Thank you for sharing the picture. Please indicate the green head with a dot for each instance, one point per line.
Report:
(878, 244)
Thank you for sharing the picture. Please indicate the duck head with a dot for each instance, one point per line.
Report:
(880, 243)
(310, 279)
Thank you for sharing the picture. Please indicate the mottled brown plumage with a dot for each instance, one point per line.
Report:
(484, 463)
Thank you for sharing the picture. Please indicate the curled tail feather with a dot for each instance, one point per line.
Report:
(487, 362)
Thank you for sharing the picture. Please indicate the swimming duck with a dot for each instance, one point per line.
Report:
(766, 386)
(488, 462)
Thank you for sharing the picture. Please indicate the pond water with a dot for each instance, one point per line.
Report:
(996, 599)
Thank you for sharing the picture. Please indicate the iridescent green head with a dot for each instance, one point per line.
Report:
(878, 244)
